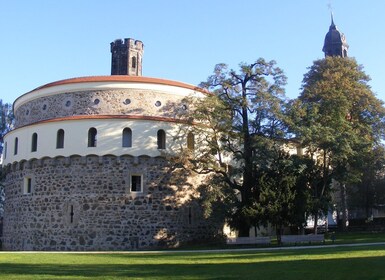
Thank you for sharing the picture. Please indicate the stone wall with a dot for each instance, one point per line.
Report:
(141, 102)
(85, 203)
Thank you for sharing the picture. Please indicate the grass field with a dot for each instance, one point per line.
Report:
(365, 262)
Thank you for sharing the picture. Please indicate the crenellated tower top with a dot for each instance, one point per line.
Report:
(126, 58)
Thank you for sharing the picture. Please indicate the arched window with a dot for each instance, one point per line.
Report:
(16, 147)
(60, 139)
(34, 143)
(190, 141)
(127, 137)
(161, 136)
(133, 62)
(92, 137)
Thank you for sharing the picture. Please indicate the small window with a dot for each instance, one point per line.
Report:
(127, 101)
(5, 150)
(27, 188)
(158, 103)
(133, 62)
(190, 215)
(190, 141)
(96, 101)
(34, 143)
(72, 214)
(16, 147)
(161, 137)
(68, 103)
(60, 139)
(136, 183)
(92, 132)
(45, 107)
(127, 138)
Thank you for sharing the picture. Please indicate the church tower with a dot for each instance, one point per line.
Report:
(126, 57)
(335, 42)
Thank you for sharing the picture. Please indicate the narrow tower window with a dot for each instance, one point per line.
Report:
(34, 143)
(190, 141)
(5, 150)
(16, 147)
(189, 215)
(60, 139)
(72, 214)
(27, 185)
(127, 137)
(92, 137)
(133, 62)
(161, 136)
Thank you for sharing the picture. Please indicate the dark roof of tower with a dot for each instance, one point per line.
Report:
(334, 36)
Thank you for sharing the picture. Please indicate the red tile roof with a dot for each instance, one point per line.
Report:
(120, 78)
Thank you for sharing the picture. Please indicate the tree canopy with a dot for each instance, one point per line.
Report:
(6, 121)
(6, 124)
(241, 132)
(339, 120)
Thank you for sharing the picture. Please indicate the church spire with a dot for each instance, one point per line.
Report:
(335, 42)
(332, 24)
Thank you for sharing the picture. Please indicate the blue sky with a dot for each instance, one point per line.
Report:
(44, 40)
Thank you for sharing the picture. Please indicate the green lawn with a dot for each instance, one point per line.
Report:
(326, 263)
(356, 237)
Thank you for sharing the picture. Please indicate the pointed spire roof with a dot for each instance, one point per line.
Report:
(335, 42)
(332, 25)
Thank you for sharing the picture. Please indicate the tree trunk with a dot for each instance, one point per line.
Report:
(279, 231)
(315, 228)
(344, 207)
(244, 230)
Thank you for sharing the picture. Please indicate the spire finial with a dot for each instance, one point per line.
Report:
(332, 25)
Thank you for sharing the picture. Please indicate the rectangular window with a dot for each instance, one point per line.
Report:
(27, 185)
(16, 146)
(136, 183)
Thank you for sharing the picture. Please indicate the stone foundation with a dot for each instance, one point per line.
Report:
(86, 203)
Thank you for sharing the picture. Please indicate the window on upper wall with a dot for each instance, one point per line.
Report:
(127, 137)
(5, 150)
(136, 184)
(190, 141)
(133, 62)
(34, 143)
(16, 147)
(60, 139)
(27, 187)
(161, 139)
(92, 132)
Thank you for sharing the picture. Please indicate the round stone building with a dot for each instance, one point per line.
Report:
(85, 165)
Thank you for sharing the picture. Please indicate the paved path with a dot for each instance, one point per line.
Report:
(201, 251)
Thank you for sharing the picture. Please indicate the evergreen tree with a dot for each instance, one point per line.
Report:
(339, 120)
(6, 124)
(6, 121)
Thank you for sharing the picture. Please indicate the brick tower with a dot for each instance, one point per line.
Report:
(126, 57)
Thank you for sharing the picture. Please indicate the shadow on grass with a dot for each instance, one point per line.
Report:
(237, 254)
(351, 268)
